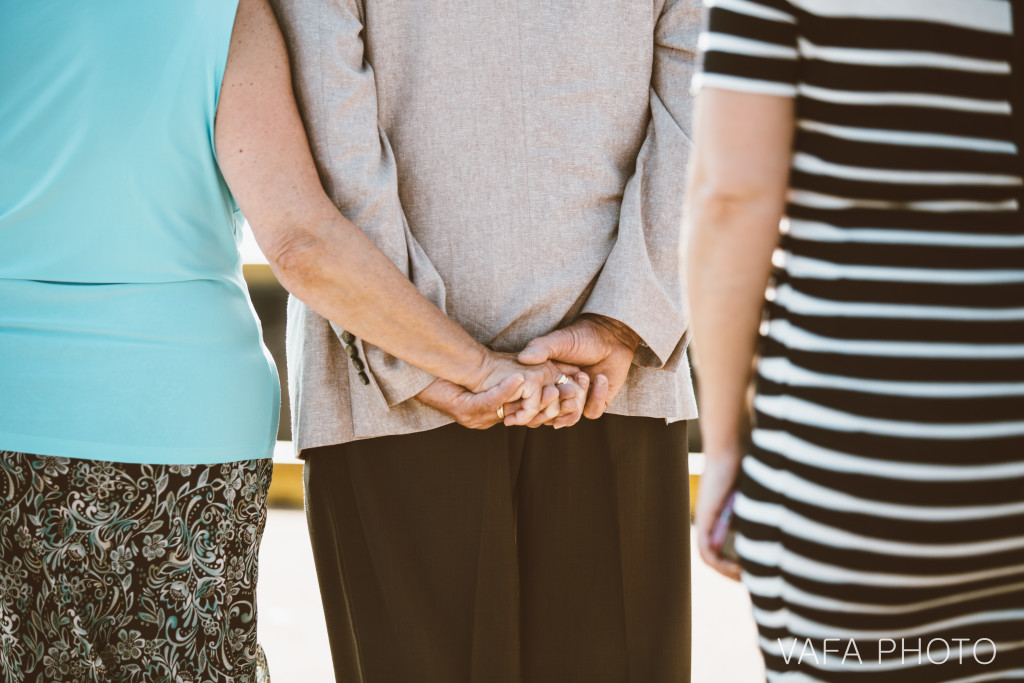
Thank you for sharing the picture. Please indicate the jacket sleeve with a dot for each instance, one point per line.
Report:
(337, 95)
(641, 283)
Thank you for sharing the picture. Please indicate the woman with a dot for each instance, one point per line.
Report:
(881, 494)
(138, 407)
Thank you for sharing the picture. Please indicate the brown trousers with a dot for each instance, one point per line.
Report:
(507, 555)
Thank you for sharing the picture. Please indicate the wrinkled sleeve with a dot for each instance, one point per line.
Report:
(641, 283)
(337, 95)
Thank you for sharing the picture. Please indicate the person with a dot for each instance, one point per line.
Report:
(523, 164)
(138, 406)
(879, 500)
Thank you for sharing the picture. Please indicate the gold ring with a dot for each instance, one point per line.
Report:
(501, 413)
(562, 380)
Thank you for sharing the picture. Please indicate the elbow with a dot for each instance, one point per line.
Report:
(726, 204)
(294, 258)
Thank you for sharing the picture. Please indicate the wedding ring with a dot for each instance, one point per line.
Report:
(501, 413)
(562, 380)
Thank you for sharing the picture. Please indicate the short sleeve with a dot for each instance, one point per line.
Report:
(750, 46)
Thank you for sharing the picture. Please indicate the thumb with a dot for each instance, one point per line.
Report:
(510, 389)
(549, 346)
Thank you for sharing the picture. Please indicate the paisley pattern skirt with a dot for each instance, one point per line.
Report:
(130, 572)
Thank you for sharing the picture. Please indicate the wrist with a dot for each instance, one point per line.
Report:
(474, 375)
(620, 332)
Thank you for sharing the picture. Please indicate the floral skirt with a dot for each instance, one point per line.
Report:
(130, 572)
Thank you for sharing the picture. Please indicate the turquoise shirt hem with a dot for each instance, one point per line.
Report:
(122, 453)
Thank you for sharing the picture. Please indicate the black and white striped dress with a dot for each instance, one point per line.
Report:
(883, 498)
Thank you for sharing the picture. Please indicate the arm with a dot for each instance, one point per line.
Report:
(319, 255)
(735, 200)
(337, 92)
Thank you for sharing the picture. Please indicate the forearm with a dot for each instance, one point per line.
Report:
(728, 266)
(333, 267)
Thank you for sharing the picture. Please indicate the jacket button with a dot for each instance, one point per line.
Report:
(352, 351)
(358, 364)
(347, 337)
(363, 378)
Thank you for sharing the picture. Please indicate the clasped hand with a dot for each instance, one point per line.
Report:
(594, 353)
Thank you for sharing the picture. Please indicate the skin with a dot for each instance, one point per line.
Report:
(602, 347)
(736, 197)
(328, 262)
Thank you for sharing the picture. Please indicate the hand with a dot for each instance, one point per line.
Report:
(536, 393)
(716, 484)
(602, 347)
(476, 411)
(572, 396)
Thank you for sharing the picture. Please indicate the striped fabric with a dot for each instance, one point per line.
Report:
(882, 502)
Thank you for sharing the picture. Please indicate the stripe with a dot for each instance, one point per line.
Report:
(788, 676)
(800, 489)
(752, 9)
(818, 200)
(769, 554)
(798, 450)
(722, 42)
(793, 300)
(923, 100)
(793, 524)
(803, 267)
(811, 164)
(793, 337)
(782, 371)
(809, 628)
(703, 80)
(778, 587)
(899, 58)
(823, 232)
(1016, 674)
(785, 407)
(906, 138)
(992, 16)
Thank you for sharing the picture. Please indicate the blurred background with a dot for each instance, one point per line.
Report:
(291, 620)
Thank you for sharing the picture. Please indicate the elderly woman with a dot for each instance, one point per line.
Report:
(138, 406)
(881, 492)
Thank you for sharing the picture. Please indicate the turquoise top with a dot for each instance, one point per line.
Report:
(126, 330)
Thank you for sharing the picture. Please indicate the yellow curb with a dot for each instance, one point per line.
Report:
(286, 486)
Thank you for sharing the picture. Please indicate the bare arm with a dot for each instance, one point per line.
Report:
(736, 197)
(317, 254)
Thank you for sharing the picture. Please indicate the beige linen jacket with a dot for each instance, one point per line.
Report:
(521, 161)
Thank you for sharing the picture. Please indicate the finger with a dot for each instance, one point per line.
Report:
(725, 567)
(574, 410)
(531, 405)
(550, 407)
(507, 391)
(481, 411)
(707, 513)
(511, 409)
(549, 404)
(542, 348)
(568, 369)
(597, 400)
(572, 397)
